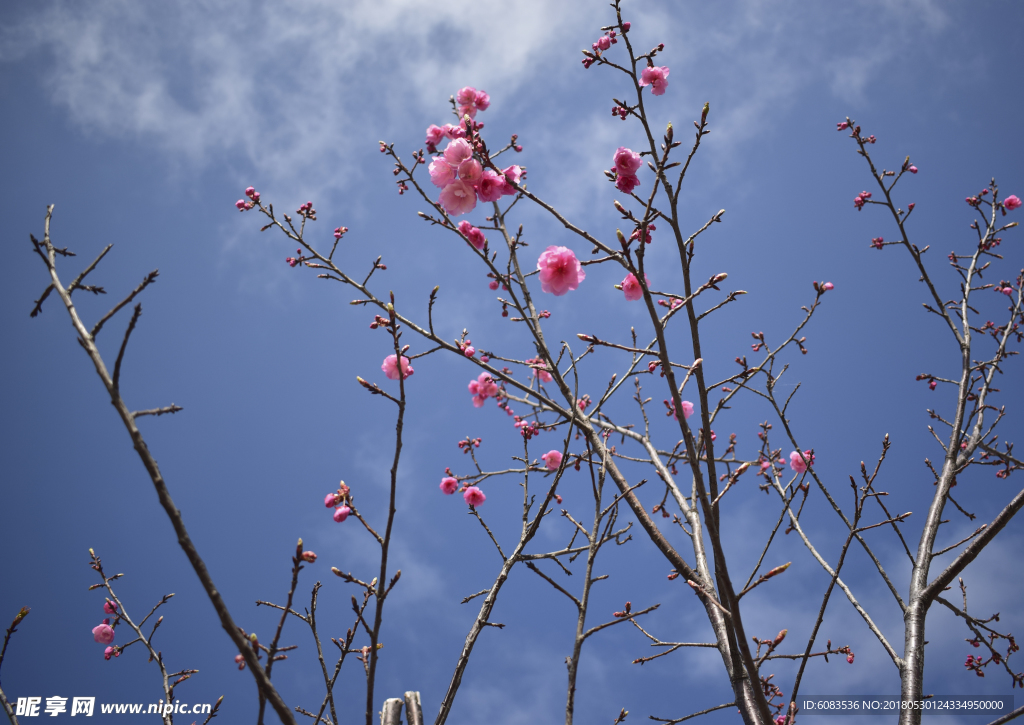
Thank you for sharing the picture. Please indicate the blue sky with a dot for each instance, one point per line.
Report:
(143, 123)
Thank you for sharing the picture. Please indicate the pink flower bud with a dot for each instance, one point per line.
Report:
(842, 126)
(390, 367)
(1012, 202)
(111, 652)
(932, 385)
(625, 27)
(330, 500)
(341, 513)
(240, 661)
(250, 191)
(913, 170)
(240, 204)
(849, 658)
(828, 286)
(110, 607)
(469, 351)
(308, 556)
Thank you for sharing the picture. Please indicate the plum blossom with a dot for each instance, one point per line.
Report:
(341, 513)
(110, 607)
(441, 172)
(626, 161)
(103, 633)
(309, 556)
(390, 367)
(1012, 202)
(687, 410)
(560, 271)
(474, 496)
(631, 287)
(470, 100)
(626, 183)
(656, 77)
(457, 151)
(434, 135)
(451, 131)
(797, 463)
(491, 186)
(458, 198)
(448, 485)
(114, 652)
(470, 171)
(474, 235)
(482, 388)
(330, 500)
(512, 176)
(552, 459)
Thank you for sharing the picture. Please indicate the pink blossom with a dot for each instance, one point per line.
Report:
(560, 271)
(482, 388)
(111, 652)
(626, 182)
(470, 171)
(469, 351)
(491, 186)
(1012, 202)
(240, 661)
(341, 513)
(552, 459)
(390, 367)
(687, 410)
(656, 77)
(543, 375)
(434, 135)
(458, 198)
(932, 385)
(828, 286)
(512, 176)
(631, 287)
(849, 658)
(451, 131)
(103, 633)
(913, 170)
(441, 172)
(448, 485)
(110, 607)
(309, 556)
(1006, 290)
(474, 496)
(470, 100)
(330, 500)
(457, 151)
(474, 235)
(626, 161)
(240, 204)
(797, 463)
(842, 125)
(493, 284)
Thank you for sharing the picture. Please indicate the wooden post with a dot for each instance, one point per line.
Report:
(413, 710)
(392, 712)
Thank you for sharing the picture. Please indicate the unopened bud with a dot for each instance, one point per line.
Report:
(779, 637)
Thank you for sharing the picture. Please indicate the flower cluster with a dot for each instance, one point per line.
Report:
(861, 199)
(482, 388)
(243, 205)
(540, 369)
(473, 235)
(337, 501)
(626, 164)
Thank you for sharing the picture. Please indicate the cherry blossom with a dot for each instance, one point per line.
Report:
(448, 485)
(1012, 202)
(390, 367)
(110, 607)
(341, 513)
(474, 496)
(656, 77)
(560, 271)
(330, 500)
(470, 100)
(470, 171)
(457, 151)
(309, 556)
(627, 182)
